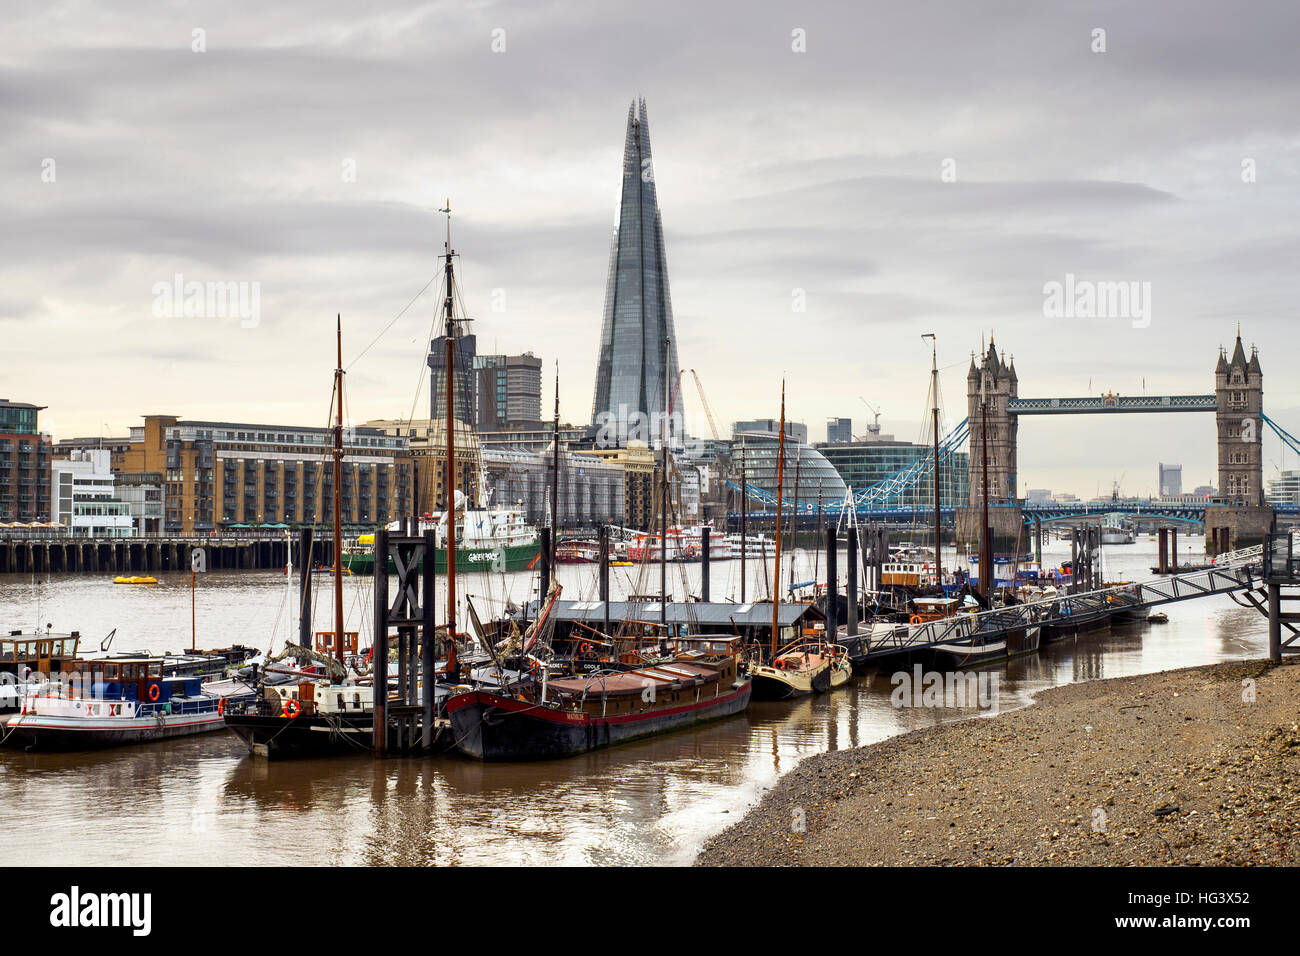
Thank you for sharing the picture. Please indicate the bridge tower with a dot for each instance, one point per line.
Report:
(995, 380)
(1239, 516)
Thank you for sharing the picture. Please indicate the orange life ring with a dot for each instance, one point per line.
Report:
(154, 693)
(584, 649)
(291, 708)
(221, 706)
(916, 619)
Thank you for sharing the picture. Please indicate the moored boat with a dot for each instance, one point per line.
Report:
(566, 716)
(806, 668)
(117, 701)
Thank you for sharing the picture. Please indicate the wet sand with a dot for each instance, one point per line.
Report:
(1173, 768)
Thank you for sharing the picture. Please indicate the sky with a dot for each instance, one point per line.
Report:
(835, 180)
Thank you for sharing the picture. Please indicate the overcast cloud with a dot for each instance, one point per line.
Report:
(777, 171)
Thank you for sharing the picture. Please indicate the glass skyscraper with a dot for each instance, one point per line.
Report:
(637, 338)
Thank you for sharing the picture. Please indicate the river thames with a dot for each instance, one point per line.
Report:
(203, 800)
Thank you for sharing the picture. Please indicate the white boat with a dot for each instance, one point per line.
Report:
(116, 701)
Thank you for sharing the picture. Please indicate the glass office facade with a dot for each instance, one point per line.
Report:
(637, 337)
(862, 464)
(816, 477)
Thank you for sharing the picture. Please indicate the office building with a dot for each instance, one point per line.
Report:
(1171, 480)
(839, 430)
(83, 496)
(507, 390)
(224, 475)
(638, 346)
(25, 456)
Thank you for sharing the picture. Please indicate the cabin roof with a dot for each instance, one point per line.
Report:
(693, 613)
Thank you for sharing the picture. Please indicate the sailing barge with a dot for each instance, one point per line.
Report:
(566, 716)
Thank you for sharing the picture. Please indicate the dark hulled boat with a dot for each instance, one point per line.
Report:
(567, 716)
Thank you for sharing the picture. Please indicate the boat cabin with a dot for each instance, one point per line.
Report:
(926, 609)
(908, 573)
(325, 642)
(44, 653)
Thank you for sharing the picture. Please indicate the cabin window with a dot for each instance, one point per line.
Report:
(356, 701)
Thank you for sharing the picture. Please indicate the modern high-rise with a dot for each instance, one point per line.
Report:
(507, 388)
(464, 350)
(638, 347)
(839, 430)
(24, 464)
(1171, 480)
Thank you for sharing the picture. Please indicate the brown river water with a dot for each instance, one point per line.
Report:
(203, 801)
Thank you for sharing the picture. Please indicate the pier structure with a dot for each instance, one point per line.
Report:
(1238, 577)
(41, 555)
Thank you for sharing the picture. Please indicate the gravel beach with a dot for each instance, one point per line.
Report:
(1174, 768)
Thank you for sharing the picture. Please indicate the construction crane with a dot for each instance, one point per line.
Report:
(699, 387)
(873, 429)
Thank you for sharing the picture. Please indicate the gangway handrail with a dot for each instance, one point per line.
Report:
(1016, 616)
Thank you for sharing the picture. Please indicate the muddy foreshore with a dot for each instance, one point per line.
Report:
(1188, 767)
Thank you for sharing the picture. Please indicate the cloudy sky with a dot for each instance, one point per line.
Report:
(901, 168)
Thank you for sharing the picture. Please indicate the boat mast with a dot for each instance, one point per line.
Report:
(555, 477)
(934, 389)
(450, 484)
(663, 502)
(338, 496)
(744, 516)
(780, 489)
(794, 517)
(986, 545)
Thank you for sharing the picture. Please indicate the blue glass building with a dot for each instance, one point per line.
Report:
(637, 338)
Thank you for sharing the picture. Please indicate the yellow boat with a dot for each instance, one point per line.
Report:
(135, 580)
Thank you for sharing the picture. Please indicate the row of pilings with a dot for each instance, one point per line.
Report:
(149, 556)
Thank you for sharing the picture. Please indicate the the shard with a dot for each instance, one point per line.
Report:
(637, 338)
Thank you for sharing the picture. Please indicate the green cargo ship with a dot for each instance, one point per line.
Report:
(508, 557)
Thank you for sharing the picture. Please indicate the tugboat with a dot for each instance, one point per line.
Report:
(116, 701)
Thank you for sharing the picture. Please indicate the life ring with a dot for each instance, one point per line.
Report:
(221, 706)
(154, 693)
(585, 648)
(291, 708)
(916, 619)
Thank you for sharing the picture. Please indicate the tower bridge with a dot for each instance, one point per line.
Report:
(1238, 517)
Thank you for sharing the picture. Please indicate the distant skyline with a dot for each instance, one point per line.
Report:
(834, 180)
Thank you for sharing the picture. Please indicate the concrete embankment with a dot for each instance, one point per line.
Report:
(1197, 766)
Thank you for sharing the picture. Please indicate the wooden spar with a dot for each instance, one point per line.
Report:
(663, 500)
(338, 496)
(555, 474)
(780, 488)
(986, 543)
(744, 515)
(934, 386)
(450, 484)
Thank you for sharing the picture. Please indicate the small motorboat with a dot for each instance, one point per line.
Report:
(135, 579)
(1157, 617)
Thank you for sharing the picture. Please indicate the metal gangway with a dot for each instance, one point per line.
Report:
(987, 626)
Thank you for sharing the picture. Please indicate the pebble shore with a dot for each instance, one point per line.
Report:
(1175, 768)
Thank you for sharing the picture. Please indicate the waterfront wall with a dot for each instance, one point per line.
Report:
(147, 556)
